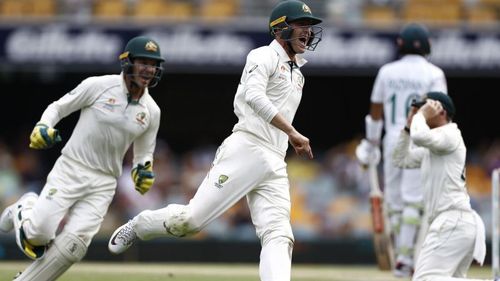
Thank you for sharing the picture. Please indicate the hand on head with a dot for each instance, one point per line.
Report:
(431, 109)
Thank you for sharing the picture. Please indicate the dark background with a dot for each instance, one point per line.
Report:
(197, 108)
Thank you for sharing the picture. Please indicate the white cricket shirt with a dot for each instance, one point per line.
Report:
(108, 123)
(440, 153)
(399, 82)
(270, 83)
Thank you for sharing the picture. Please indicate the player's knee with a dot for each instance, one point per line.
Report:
(282, 233)
(179, 221)
(39, 239)
(412, 214)
(71, 247)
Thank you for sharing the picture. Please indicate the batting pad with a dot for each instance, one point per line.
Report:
(66, 250)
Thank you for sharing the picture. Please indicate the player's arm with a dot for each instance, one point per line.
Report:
(299, 142)
(258, 71)
(44, 135)
(438, 140)
(404, 156)
(438, 83)
(143, 149)
(368, 150)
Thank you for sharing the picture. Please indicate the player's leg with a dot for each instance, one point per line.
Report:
(65, 250)
(14, 216)
(83, 222)
(393, 198)
(447, 249)
(237, 168)
(269, 205)
(36, 222)
(411, 190)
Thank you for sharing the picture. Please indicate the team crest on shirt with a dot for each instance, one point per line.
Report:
(51, 193)
(221, 181)
(110, 104)
(141, 118)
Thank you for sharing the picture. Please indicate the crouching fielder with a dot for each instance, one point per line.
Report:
(456, 233)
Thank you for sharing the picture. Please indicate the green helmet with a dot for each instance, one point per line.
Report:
(415, 39)
(142, 47)
(289, 11)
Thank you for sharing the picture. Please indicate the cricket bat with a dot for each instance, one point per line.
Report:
(381, 239)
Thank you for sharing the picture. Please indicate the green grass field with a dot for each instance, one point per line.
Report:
(214, 272)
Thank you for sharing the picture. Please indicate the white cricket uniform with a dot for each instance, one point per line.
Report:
(83, 180)
(396, 85)
(249, 162)
(456, 232)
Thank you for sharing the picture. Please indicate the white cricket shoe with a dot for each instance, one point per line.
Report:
(123, 237)
(26, 202)
(403, 270)
(6, 221)
(7, 217)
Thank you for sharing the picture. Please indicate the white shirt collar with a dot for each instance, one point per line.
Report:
(299, 60)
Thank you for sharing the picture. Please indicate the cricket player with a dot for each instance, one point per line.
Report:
(115, 111)
(396, 85)
(250, 162)
(456, 232)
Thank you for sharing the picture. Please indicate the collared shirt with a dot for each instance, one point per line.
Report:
(399, 82)
(108, 123)
(440, 154)
(270, 83)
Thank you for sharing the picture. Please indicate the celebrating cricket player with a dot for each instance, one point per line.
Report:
(251, 161)
(456, 233)
(115, 111)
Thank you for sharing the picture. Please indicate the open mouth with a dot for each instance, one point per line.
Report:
(303, 41)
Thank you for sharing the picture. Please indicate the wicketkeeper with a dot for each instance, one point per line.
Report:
(116, 111)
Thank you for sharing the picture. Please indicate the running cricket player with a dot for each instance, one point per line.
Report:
(456, 233)
(115, 111)
(396, 85)
(251, 161)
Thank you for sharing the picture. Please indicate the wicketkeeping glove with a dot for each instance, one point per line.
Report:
(368, 153)
(143, 177)
(43, 137)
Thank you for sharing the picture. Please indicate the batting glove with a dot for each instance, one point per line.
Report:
(143, 177)
(368, 153)
(43, 137)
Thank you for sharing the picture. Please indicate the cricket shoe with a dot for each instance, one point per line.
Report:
(402, 270)
(26, 202)
(123, 237)
(6, 221)
(7, 217)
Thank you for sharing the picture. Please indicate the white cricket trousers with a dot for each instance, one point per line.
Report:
(453, 240)
(73, 192)
(243, 165)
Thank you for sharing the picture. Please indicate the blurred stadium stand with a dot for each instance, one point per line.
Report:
(48, 46)
(358, 12)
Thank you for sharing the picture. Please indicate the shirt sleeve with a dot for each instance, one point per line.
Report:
(438, 83)
(258, 70)
(82, 96)
(404, 156)
(144, 145)
(438, 140)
